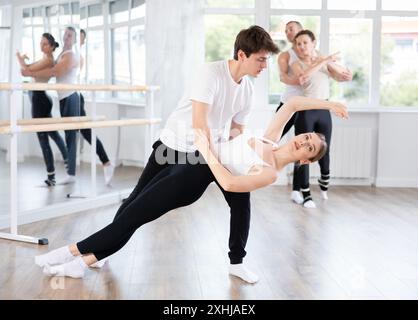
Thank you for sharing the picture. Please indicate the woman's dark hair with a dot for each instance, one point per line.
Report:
(309, 33)
(253, 40)
(51, 40)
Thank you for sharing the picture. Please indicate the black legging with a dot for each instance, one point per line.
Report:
(41, 108)
(162, 188)
(309, 121)
(86, 133)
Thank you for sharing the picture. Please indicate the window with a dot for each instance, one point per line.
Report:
(399, 62)
(399, 5)
(121, 72)
(353, 39)
(220, 31)
(95, 15)
(128, 45)
(138, 9)
(296, 4)
(95, 57)
(138, 59)
(94, 69)
(5, 43)
(352, 5)
(277, 32)
(119, 11)
(230, 3)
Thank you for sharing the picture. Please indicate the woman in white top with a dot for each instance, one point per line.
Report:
(42, 104)
(65, 71)
(251, 163)
(314, 72)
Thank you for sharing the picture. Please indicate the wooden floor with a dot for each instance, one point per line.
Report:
(360, 244)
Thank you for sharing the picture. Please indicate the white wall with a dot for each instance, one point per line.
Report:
(398, 150)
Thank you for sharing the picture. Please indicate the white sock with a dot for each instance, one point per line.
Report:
(297, 197)
(240, 271)
(68, 180)
(108, 173)
(310, 204)
(99, 264)
(324, 195)
(74, 269)
(57, 256)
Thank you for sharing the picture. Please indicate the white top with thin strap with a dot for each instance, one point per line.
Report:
(291, 90)
(237, 155)
(70, 77)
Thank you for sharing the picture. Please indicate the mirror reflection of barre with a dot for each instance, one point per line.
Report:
(14, 126)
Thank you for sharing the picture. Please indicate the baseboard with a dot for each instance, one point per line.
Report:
(333, 182)
(68, 207)
(397, 183)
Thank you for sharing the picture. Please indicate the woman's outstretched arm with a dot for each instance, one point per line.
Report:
(295, 104)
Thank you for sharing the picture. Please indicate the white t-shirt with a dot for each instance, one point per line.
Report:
(227, 101)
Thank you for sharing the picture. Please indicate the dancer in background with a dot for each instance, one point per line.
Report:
(65, 71)
(314, 72)
(42, 105)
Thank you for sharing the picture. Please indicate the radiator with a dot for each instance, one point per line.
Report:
(351, 152)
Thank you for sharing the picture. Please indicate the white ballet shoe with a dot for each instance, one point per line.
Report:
(99, 264)
(296, 197)
(309, 204)
(242, 272)
(324, 195)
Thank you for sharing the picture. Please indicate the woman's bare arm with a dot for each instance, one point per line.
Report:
(295, 104)
(262, 177)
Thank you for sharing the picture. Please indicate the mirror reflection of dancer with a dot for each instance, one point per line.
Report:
(250, 163)
(108, 167)
(42, 105)
(314, 73)
(65, 71)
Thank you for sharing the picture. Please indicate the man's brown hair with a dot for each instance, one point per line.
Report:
(253, 40)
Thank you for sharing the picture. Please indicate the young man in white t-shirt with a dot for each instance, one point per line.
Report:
(220, 99)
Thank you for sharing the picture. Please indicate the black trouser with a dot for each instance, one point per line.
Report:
(164, 187)
(41, 108)
(309, 121)
(290, 123)
(86, 133)
(70, 107)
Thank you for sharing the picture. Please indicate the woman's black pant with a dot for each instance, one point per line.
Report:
(161, 188)
(308, 121)
(41, 108)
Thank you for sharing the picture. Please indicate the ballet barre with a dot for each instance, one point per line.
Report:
(13, 127)
(4, 123)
